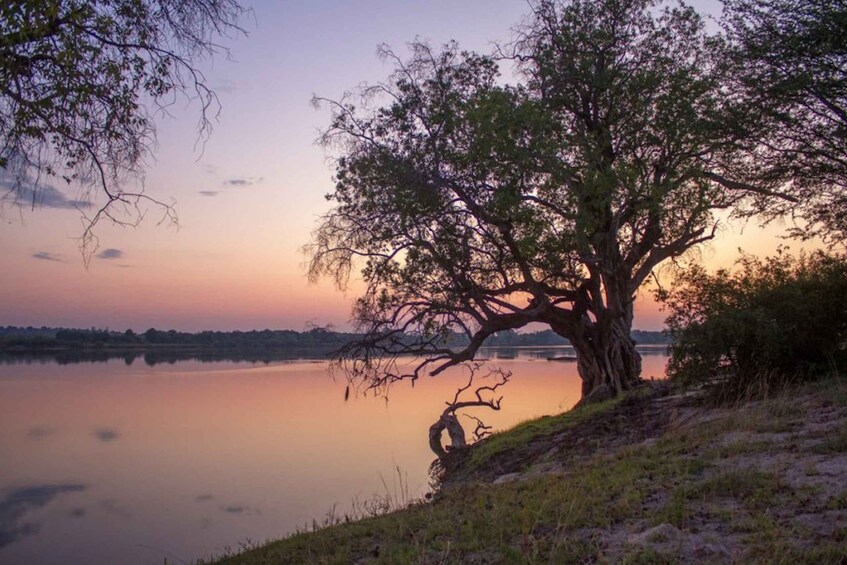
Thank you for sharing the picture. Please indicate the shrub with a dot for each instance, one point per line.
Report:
(760, 326)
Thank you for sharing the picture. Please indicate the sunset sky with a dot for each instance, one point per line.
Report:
(248, 199)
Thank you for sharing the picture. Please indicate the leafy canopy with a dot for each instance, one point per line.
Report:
(789, 63)
(761, 325)
(475, 206)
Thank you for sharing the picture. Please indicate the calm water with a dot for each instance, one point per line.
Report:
(116, 463)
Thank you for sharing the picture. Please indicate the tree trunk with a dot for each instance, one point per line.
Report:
(448, 421)
(607, 361)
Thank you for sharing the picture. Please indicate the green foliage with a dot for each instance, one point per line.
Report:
(789, 65)
(762, 325)
(474, 206)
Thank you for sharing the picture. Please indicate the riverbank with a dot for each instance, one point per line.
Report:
(656, 477)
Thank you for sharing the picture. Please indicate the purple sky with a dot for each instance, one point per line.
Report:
(249, 198)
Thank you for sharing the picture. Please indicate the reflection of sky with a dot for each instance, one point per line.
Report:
(207, 455)
(250, 198)
(554, 353)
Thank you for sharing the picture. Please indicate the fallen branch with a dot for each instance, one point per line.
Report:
(484, 396)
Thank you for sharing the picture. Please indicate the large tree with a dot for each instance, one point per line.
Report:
(475, 206)
(789, 61)
(80, 81)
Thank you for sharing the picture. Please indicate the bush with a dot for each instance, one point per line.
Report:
(761, 326)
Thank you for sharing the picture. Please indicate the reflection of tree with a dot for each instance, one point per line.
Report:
(153, 358)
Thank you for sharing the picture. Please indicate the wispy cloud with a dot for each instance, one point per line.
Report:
(45, 256)
(110, 254)
(243, 181)
(209, 192)
(225, 86)
(43, 196)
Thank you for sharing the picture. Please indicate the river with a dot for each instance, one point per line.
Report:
(113, 462)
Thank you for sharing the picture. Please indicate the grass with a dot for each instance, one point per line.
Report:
(646, 556)
(519, 522)
(529, 431)
(835, 443)
(686, 479)
(526, 521)
(838, 502)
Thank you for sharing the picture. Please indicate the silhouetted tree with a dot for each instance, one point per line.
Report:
(759, 326)
(789, 62)
(80, 81)
(477, 207)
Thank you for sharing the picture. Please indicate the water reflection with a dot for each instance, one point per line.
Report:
(158, 357)
(39, 432)
(173, 356)
(556, 353)
(181, 460)
(17, 503)
(115, 509)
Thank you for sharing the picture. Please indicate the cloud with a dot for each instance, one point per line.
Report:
(106, 434)
(44, 196)
(45, 256)
(209, 192)
(225, 86)
(110, 254)
(243, 181)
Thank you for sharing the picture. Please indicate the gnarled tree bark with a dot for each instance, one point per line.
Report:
(607, 361)
(483, 397)
(448, 421)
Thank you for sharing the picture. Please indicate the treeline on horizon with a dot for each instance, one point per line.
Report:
(32, 338)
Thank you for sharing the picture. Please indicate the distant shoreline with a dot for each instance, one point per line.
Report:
(158, 346)
(152, 355)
